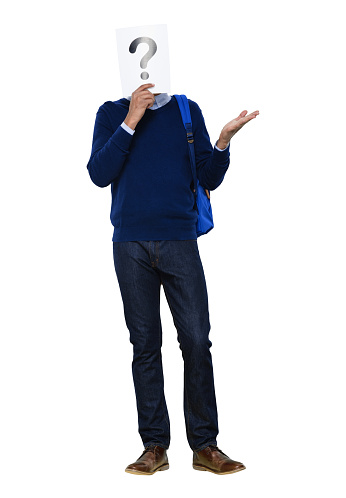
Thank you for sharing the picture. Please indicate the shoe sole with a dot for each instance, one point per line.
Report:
(199, 467)
(138, 472)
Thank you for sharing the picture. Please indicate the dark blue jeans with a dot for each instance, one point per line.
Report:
(141, 267)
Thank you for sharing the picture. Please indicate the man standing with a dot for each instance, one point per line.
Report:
(140, 149)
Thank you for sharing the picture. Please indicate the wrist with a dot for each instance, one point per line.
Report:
(130, 122)
(221, 144)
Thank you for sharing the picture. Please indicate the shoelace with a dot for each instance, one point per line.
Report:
(151, 447)
(214, 447)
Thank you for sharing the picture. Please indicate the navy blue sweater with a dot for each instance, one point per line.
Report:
(150, 172)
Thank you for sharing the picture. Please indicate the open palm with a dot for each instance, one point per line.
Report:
(231, 128)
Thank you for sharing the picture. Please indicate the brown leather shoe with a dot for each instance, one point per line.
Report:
(216, 461)
(152, 459)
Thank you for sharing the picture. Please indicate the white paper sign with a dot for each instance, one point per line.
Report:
(143, 58)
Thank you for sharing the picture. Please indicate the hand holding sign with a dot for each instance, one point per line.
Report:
(141, 100)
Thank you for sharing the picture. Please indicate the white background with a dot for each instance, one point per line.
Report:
(274, 263)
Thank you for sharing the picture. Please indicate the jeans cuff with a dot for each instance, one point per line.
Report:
(205, 445)
(156, 444)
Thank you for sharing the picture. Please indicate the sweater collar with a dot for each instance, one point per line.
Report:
(160, 100)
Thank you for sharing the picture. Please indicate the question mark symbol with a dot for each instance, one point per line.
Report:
(151, 52)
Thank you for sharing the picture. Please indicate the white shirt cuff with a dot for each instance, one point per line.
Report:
(127, 128)
(216, 147)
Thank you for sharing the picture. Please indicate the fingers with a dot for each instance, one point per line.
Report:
(143, 95)
(141, 100)
(145, 86)
(242, 116)
(252, 115)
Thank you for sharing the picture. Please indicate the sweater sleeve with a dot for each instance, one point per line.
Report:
(109, 151)
(211, 163)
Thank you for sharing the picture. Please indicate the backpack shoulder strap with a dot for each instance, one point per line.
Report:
(186, 117)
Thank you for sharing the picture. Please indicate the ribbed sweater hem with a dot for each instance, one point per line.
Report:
(125, 234)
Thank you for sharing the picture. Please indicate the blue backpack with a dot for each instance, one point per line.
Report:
(202, 199)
